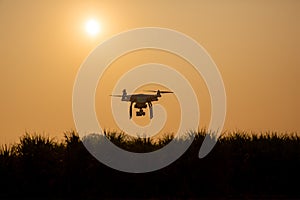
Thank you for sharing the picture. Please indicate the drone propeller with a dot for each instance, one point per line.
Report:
(160, 91)
(116, 95)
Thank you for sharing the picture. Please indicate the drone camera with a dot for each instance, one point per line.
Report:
(140, 113)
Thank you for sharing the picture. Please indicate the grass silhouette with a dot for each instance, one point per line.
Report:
(241, 165)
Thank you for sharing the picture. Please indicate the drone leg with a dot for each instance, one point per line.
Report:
(151, 110)
(130, 110)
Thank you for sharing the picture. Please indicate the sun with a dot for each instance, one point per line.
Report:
(92, 27)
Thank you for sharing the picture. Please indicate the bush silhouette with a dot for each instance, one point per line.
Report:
(241, 165)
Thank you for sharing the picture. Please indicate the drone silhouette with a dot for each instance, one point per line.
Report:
(140, 101)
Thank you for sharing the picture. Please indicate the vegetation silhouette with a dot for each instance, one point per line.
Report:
(240, 166)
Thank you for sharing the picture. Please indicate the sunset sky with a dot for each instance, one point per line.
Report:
(255, 45)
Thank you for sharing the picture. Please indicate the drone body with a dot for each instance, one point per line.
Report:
(140, 101)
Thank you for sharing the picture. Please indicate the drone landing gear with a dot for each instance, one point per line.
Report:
(130, 110)
(151, 109)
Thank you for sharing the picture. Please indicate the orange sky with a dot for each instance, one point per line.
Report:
(255, 45)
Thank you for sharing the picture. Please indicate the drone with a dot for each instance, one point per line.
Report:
(140, 101)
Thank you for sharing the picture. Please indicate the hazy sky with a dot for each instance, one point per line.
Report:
(255, 45)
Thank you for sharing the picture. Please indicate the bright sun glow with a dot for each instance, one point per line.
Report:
(92, 27)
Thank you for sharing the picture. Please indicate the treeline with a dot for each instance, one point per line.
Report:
(240, 166)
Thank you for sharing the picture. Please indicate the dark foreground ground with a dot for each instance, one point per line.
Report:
(239, 167)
